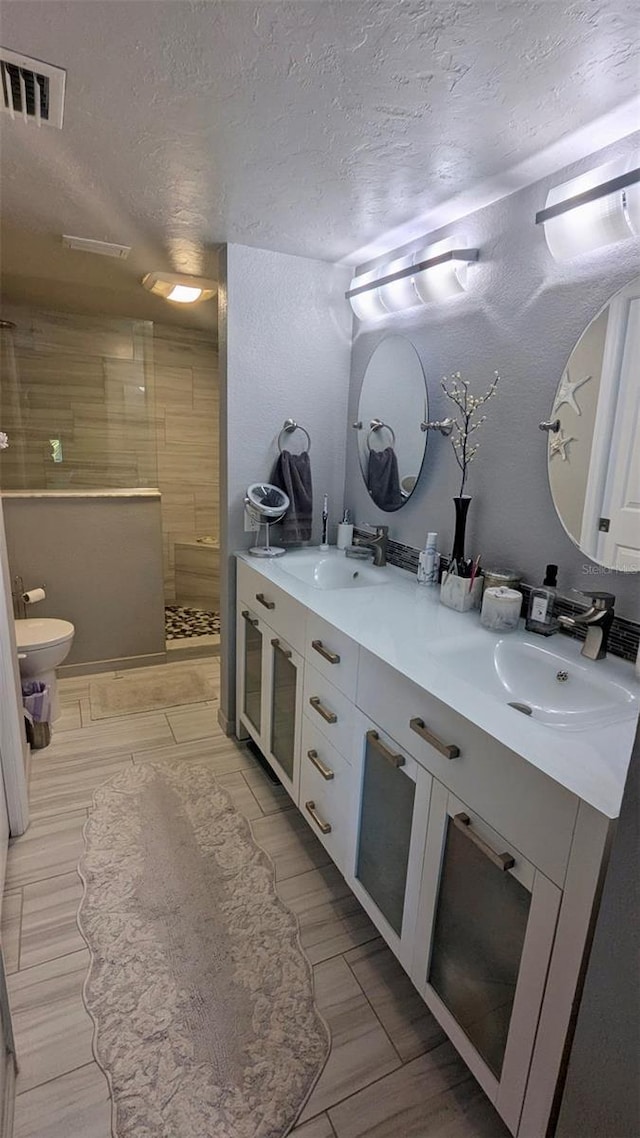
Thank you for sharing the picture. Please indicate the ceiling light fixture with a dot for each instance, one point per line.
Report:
(595, 209)
(180, 288)
(434, 273)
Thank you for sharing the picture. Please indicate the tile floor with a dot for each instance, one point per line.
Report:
(390, 1074)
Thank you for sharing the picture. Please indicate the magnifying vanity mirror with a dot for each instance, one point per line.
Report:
(594, 440)
(393, 403)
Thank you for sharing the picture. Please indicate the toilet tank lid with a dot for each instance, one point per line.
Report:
(42, 632)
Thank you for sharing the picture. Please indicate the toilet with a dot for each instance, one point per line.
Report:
(43, 643)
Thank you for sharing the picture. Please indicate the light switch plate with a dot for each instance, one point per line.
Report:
(250, 526)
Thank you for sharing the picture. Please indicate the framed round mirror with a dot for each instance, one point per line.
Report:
(593, 454)
(393, 403)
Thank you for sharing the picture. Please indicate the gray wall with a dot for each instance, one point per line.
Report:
(100, 558)
(522, 315)
(602, 1092)
(284, 353)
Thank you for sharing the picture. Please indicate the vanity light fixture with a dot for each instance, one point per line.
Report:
(180, 288)
(434, 273)
(595, 209)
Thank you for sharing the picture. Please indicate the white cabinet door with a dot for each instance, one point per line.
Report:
(389, 806)
(483, 941)
(251, 675)
(283, 688)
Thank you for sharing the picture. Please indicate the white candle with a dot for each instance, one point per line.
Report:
(501, 609)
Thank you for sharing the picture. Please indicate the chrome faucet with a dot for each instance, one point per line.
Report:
(598, 619)
(377, 543)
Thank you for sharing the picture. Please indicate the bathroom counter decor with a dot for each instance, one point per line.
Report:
(465, 449)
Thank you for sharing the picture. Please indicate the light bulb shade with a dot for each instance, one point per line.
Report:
(366, 305)
(400, 294)
(179, 287)
(592, 224)
(439, 282)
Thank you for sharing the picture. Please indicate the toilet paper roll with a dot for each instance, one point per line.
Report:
(33, 595)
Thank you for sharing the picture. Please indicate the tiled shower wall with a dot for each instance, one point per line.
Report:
(187, 409)
(131, 404)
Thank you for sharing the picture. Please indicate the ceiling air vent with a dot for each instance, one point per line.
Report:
(32, 90)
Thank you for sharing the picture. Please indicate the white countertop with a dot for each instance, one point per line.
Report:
(404, 624)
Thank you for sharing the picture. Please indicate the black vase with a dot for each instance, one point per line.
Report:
(461, 505)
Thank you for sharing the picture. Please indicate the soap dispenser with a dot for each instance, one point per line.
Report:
(541, 601)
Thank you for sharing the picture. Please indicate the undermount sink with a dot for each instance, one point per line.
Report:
(556, 688)
(328, 571)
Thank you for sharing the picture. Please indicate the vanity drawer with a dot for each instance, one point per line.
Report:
(329, 710)
(281, 612)
(333, 654)
(524, 805)
(324, 781)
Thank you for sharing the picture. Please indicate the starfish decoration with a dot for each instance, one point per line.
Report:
(559, 444)
(567, 392)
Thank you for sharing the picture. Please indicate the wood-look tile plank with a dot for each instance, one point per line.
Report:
(69, 718)
(52, 1028)
(331, 918)
(319, 1127)
(49, 926)
(10, 929)
(111, 736)
(241, 795)
(403, 1014)
(360, 1049)
(69, 786)
(222, 754)
(271, 795)
(50, 846)
(290, 843)
(196, 722)
(434, 1095)
(76, 1105)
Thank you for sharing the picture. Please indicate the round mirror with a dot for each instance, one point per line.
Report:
(594, 450)
(393, 404)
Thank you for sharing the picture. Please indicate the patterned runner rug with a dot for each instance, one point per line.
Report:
(201, 996)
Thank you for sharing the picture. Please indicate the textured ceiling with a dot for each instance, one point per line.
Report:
(306, 127)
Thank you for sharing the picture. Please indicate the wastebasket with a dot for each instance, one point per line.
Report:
(36, 700)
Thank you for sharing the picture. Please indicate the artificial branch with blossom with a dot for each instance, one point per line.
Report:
(467, 422)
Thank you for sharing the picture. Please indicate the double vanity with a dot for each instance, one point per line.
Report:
(465, 784)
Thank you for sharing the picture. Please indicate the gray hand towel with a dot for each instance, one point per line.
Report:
(292, 473)
(383, 482)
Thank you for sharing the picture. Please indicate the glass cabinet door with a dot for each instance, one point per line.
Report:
(252, 666)
(386, 818)
(478, 939)
(283, 708)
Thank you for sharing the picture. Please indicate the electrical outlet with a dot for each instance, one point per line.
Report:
(250, 526)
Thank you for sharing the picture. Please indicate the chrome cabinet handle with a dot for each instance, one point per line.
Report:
(278, 646)
(501, 861)
(249, 618)
(332, 657)
(324, 827)
(325, 771)
(260, 597)
(392, 757)
(449, 750)
(328, 716)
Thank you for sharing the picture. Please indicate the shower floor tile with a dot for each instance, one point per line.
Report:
(184, 623)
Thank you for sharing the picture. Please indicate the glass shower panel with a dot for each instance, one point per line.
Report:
(77, 402)
(283, 711)
(385, 834)
(479, 934)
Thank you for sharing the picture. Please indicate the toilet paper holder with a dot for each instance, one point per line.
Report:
(22, 597)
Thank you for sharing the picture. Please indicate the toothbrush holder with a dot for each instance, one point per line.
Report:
(456, 594)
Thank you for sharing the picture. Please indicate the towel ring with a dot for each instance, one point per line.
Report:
(377, 425)
(289, 426)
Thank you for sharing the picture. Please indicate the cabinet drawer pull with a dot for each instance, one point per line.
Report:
(392, 757)
(249, 618)
(324, 827)
(331, 657)
(325, 771)
(260, 597)
(501, 861)
(328, 716)
(285, 651)
(449, 750)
